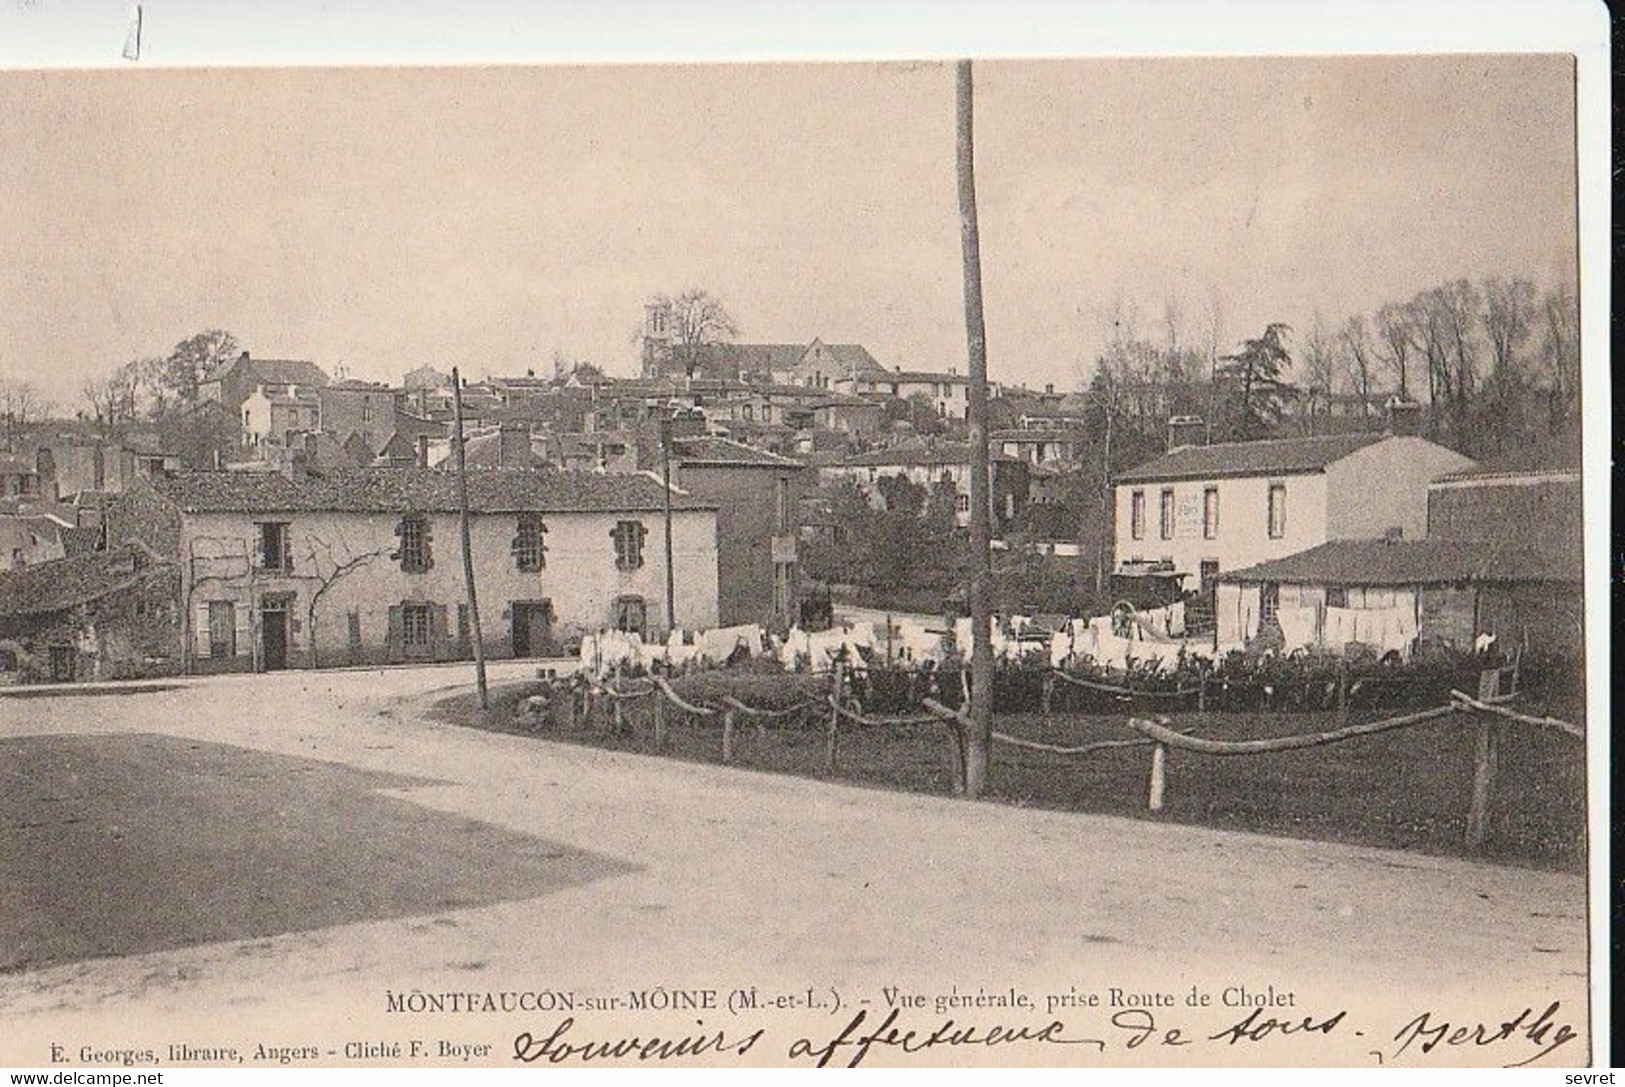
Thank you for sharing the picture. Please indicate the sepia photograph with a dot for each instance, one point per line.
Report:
(1062, 559)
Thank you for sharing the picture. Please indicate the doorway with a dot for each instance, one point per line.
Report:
(274, 636)
(533, 629)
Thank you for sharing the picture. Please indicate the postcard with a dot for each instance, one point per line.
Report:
(907, 560)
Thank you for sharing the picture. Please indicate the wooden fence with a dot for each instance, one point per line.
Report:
(838, 709)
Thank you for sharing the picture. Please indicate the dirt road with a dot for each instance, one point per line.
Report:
(703, 877)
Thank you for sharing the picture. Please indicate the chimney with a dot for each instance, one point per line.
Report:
(1049, 389)
(293, 463)
(1185, 430)
(1404, 417)
(513, 445)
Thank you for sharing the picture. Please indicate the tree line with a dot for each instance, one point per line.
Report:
(1494, 363)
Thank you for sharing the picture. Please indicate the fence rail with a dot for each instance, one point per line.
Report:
(1489, 710)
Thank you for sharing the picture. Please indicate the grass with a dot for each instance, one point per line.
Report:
(1406, 789)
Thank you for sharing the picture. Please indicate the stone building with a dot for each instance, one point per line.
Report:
(364, 565)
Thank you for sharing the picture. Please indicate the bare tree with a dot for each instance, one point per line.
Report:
(1319, 365)
(699, 322)
(111, 399)
(1445, 322)
(1560, 353)
(20, 404)
(1358, 360)
(1510, 306)
(1215, 337)
(1396, 329)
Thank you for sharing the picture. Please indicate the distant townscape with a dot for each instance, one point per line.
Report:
(218, 510)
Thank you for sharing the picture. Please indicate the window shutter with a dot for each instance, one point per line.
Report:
(438, 641)
(396, 650)
(200, 631)
(245, 629)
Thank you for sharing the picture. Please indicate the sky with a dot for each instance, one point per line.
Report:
(380, 219)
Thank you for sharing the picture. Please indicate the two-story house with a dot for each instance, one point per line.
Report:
(1206, 509)
(275, 414)
(364, 565)
(942, 464)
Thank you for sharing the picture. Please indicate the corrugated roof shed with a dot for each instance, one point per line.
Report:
(397, 490)
(1413, 562)
(1277, 456)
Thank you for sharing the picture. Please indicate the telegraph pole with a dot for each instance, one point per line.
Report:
(980, 737)
(468, 552)
(665, 473)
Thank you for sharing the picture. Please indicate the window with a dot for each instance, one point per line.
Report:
(631, 614)
(628, 536)
(1337, 596)
(415, 554)
(962, 503)
(62, 660)
(1136, 515)
(222, 629)
(1208, 571)
(1165, 514)
(529, 547)
(415, 624)
(274, 552)
(1210, 513)
(1277, 510)
(366, 411)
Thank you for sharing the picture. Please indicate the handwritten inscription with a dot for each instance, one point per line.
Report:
(1525, 1038)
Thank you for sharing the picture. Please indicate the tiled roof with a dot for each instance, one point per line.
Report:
(928, 377)
(80, 539)
(411, 426)
(765, 357)
(1280, 456)
(709, 452)
(395, 490)
(288, 371)
(1414, 562)
(11, 464)
(854, 355)
(67, 582)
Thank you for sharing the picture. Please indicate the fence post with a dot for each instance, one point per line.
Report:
(728, 736)
(1201, 691)
(1485, 760)
(1342, 690)
(1049, 691)
(619, 710)
(833, 740)
(1159, 776)
(660, 720)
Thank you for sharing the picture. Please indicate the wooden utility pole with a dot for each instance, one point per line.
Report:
(665, 475)
(1106, 496)
(468, 551)
(980, 737)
